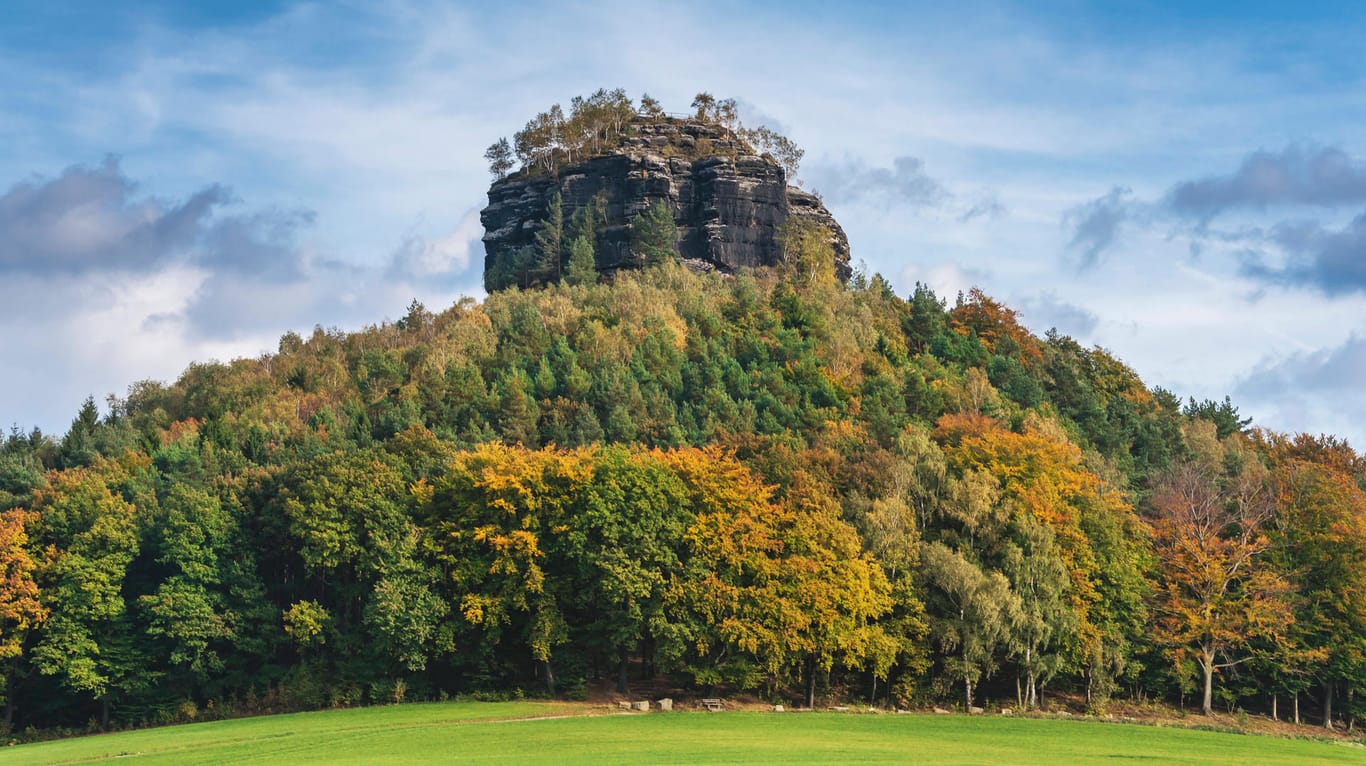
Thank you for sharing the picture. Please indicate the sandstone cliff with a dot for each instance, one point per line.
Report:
(727, 202)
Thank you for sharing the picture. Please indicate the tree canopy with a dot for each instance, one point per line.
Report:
(770, 482)
(596, 124)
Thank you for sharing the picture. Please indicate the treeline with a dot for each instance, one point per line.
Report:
(770, 482)
(596, 124)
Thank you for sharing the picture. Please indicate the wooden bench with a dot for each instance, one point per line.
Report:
(712, 704)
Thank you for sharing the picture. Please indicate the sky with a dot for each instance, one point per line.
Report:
(1182, 184)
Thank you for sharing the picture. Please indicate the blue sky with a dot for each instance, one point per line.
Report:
(1183, 184)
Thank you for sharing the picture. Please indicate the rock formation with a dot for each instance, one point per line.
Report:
(728, 202)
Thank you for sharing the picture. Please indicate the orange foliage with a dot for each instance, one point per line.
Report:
(20, 608)
(993, 322)
(179, 429)
(1041, 473)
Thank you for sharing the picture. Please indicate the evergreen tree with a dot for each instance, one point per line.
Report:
(581, 268)
(550, 242)
(654, 235)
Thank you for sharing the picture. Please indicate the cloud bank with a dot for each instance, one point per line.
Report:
(1297, 174)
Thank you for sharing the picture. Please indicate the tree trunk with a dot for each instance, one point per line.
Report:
(549, 676)
(104, 712)
(967, 684)
(1297, 707)
(622, 674)
(1207, 665)
(1351, 717)
(811, 682)
(9, 697)
(1274, 699)
(1328, 704)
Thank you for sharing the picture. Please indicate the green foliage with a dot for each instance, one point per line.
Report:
(582, 268)
(550, 241)
(596, 124)
(499, 156)
(87, 532)
(768, 482)
(654, 235)
(780, 147)
(1223, 414)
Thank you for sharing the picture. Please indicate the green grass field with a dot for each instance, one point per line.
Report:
(529, 732)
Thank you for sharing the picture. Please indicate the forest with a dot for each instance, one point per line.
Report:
(772, 483)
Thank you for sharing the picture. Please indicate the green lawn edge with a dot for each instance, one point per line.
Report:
(566, 733)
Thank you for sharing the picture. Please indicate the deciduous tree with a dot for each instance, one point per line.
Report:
(1216, 592)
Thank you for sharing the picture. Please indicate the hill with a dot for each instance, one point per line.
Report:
(774, 482)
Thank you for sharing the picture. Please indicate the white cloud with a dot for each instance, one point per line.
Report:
(450, 254)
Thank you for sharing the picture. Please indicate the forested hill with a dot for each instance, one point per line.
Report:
(770, 482)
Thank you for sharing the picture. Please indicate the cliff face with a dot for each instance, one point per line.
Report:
(727, 202)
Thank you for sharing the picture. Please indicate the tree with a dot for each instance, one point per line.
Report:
(1320, 542)
(20, 609)
(925, 319)
(845, 593)
(1224, 415)
(499, 156)
(541, 142)
(1046, 622)
(654, 235)
(519, 411)
(770, 591)
(780, 147)
(620, 546)
(550, 241)
(619, 110)
(192, 535)
(78, 446)
(808, 254)
(492, 522)
(581, 268)
(584, 223)
(996, 327)
(348, 516)
(89, 539)
(23, 458)
(649, 107)
(727, 113)
(1216, 593)
(971, 613)
(705, 104)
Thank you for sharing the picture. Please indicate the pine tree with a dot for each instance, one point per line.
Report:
(654, 236)
(581, 268)
(550, 241)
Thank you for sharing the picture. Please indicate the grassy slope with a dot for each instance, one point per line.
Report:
(482, 733)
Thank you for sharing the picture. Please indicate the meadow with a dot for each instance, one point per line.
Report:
(563, 733)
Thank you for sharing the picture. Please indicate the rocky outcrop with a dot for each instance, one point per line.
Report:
(728, 202)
